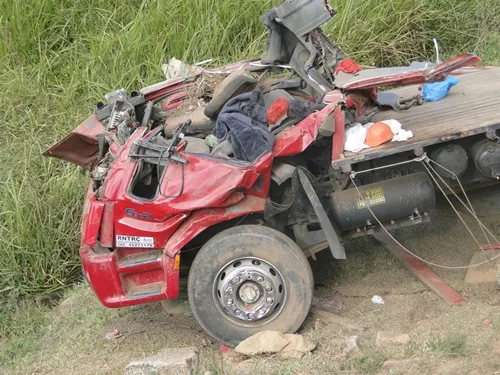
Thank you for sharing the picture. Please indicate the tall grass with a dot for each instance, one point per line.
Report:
(58, 57)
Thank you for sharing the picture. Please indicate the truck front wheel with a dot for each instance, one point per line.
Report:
(248, 279)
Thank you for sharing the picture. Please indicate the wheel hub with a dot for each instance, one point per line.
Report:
(249, 290)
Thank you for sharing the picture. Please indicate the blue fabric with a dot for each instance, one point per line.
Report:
(243, 122)
(438, 90)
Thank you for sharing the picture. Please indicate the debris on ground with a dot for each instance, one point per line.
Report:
(297, 348)
(274, 342)
(388, 339)
(176, 69)
(352, 346)
(265, 342)
(179, 361)
(377, 300)
(113, 335)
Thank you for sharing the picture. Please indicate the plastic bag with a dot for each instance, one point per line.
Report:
(438, 90)
(355, 138)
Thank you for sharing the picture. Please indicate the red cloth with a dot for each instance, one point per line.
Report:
(277, 110)
(348, 66)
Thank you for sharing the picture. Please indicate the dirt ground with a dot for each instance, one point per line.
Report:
(444, 339)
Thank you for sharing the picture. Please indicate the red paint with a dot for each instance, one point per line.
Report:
(107, 225)
(416, 77)
(203, 219)
(338, 136)
(295, 140)
(491, 247)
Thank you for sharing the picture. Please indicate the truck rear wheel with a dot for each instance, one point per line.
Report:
(248, 279)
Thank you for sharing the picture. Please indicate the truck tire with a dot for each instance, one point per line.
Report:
(249, 279)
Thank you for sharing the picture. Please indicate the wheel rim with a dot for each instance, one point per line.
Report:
(249, 291)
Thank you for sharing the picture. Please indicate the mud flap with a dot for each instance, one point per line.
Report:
(334, 243)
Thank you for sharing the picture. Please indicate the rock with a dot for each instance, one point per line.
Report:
(168, 362)
(487, 322)
(262, 342)
(246, 367)
(387, 339)
(328, 304)
(320, 323)
(352, 348)
(297, 347)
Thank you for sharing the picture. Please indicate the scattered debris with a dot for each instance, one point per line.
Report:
(297, 347)
(262, 342)
(352, 346)
(272, 342)
(225, 349)
(340, 321)
(168, 362)
(359, 137)
(487, 322)
(388, 339)
(436, 91)
(175, 69)
(377, 300)
(113, 335)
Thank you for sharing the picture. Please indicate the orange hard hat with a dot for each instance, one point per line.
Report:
(377, 134)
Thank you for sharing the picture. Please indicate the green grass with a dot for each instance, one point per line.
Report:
(453, 345)
(58, 57)
(365, 364)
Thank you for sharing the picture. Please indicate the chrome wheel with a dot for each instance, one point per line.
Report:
(249, 291)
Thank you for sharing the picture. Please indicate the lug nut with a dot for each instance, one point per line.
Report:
(238, 312)
(229, 302)
(260, 279)
(229, 290)
(251, 316)
(269, 300)
(269, 288)
(236, 280)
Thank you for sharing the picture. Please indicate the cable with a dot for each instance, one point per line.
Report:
(424, 159)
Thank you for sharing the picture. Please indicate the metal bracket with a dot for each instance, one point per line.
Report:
(334, 243)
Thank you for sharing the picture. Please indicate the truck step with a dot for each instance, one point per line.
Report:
(145, 291)
(142, 262)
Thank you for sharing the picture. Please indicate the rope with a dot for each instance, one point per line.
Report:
(426, 163)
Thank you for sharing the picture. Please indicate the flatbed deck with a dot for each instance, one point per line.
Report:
(472, 107)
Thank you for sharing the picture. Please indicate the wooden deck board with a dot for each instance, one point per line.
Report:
(471, 107)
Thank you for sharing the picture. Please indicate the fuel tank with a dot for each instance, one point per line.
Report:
(389, 200)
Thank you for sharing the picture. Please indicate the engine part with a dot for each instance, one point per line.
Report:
(389, 200)
(452, 157)
(486, 156)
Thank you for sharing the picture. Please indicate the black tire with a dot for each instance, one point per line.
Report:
(251, 241)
